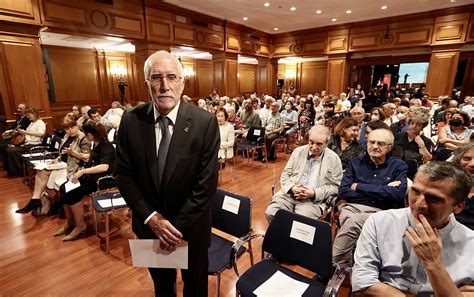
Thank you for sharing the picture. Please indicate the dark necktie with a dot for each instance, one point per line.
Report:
(164, 145)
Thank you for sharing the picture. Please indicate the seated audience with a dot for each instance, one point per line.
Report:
(376, 114)
(249, 116)
(113, 107)
(226, 149)
(84, 116)
(370, 183)
(100, 163)
(389, 110)
(274, 126)
(344, 141)
(75, 110)
(12, 161)
(73, 147)
(342, 104)
(290, 119)
(21, 122)
(310, 178)
(464, 157)
(358, 113)
(421, 250)
(457, 131)
(440, 116)
(306, 118)
(413, 145)
(401, 125)
(95, 116)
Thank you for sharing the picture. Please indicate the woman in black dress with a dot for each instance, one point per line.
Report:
(101, 162)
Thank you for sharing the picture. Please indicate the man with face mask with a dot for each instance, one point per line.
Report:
(402, 124)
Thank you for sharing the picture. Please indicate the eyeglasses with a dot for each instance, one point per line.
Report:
(170, 78)
(379, 143)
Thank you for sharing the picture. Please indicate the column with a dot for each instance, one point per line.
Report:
(225, 70)
(337, 74)
(442, 70)
(267, 71)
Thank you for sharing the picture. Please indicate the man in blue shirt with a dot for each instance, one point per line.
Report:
(370, 183)
(421, 250)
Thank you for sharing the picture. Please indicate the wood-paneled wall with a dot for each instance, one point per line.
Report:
(313, 77)
(83, 77)
(153, 25)
(247, 78)
(22, 75)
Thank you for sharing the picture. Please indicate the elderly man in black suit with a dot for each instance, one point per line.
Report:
(167, 172)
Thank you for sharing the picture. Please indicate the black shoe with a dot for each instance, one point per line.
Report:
(264, 160)
(32, 205)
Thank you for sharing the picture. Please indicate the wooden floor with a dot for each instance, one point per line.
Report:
(34, 263)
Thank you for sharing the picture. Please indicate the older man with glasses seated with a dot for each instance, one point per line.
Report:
(371, 183)
(310, 178)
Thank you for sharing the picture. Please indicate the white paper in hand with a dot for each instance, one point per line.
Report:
(302, 232)
(71, 186)
(147, 253)
(279, 284)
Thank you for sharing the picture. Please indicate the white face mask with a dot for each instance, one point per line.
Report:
(374, 118)
(401, 116)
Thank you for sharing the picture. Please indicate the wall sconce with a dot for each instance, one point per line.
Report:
(120, 73)
(290, 75)
(188, 73)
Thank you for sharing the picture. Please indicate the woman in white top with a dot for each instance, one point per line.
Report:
(13, 163)
(226, 150)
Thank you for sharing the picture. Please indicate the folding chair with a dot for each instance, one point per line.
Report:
(105, 201)
(255, 140)
(232, 215)
(299, 240)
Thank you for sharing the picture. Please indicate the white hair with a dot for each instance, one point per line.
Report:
(160, 55)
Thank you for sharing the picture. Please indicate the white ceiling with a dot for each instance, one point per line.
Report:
(279, 14)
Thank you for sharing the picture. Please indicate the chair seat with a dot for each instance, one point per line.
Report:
(263, 270)
(107, 197)
(219, 255)
(246, 145)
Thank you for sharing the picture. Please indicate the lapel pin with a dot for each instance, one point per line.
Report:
(186, 129)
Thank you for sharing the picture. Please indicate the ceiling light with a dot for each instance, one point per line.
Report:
(186, 48)
(348, 11)
(384, 7)
(293, 8)
(333, 19)
(276, 29)
(266, 4)
(318, 11)
(245, 18)
(452, 1)
(114, 38)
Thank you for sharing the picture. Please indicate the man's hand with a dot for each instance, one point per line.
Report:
(354, 186)
(168, 235)
(395, 183)
(305, 193)
(426, 243)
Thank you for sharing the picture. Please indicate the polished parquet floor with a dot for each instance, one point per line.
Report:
(34, 263)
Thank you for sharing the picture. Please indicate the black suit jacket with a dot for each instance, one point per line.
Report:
(190, 175)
